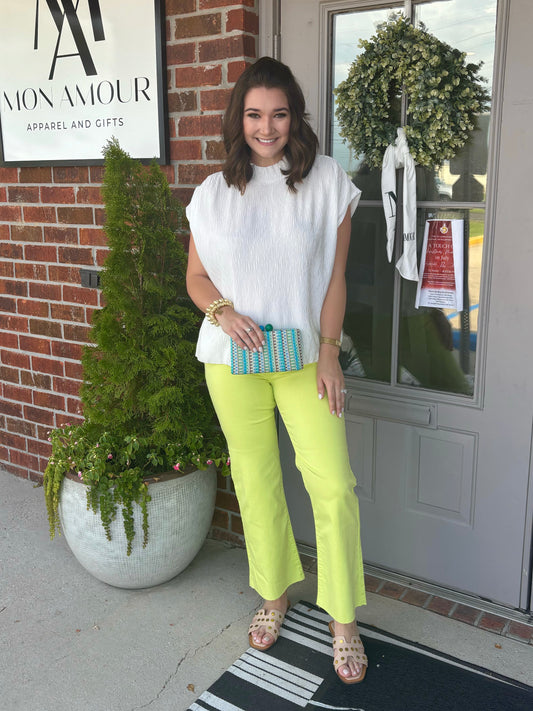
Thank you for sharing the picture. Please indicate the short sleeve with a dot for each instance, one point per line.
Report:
(347, 193)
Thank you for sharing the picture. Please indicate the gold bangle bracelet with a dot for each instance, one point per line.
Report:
(214, 307)
(330, 341)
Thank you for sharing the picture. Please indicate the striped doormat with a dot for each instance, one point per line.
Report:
(297, 673)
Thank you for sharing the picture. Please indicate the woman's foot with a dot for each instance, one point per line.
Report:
(350, 660)
(264, 630)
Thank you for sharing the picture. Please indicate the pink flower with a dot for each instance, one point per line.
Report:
(80, 475)
(176, 467)
(228, 462)
(97, 444)
(209, 461)
(110, 456)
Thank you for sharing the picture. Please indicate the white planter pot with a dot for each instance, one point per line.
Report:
(179, 517)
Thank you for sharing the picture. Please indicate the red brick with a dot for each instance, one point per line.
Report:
(4, 452)
(198, 26)
(36, 380)
(227, 501)
(7, 304)
(75, 215)
(214, 150)
(74, 370)
(48, 365)
(493, 623)
(181, 101)
(101, 256)
(4, 231)
(27, 233)
(12, 440)
(13, 323)
(210, 125)
(70, 174)
(10, 408)
(100, 216)
(392, 590)
(23, 459)
(77, 333)
(184, 195)
(23, 193)
(44, 449)
(67, 387)
(198, 76)
(224, 48)
(45, 291)
(10, 213)
(9, 374)
(63, 420)
(45, 328)
(6, 269)
(20, 426)
(61, 235)
(13, 392)
(214, 99)
(465, 613)
(11, 251)
(242, 20)
(93, 236)
(89, 196)
(10, 340)
(80, 295)
(235, 69)
(55, 194)
(17, 471)
(180, 53)
(517, 630)
(440, 605)
(35, 345)
(39, 214)
(220, 519)
(74, 406)
(194, 174)
(15, 359)
(27, 270)
(416, 598)
(3, 193)
(179, 7)
(40, 174)
(40, 253)
(9, 175)
(16, 288)
(65, 275)
(67, 312)
(34, 414)
(185, 150)
(236, 524)
(97, 173)
(208, 4)
(75, 255)
(48, 400)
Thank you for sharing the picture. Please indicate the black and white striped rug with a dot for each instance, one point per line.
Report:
(297, 673)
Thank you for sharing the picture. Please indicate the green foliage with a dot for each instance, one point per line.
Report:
(145, 403)
(444, 95)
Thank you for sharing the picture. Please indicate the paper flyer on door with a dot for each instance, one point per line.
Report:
(441, 267)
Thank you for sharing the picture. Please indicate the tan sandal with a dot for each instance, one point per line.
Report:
(272, 620)
(342, 650)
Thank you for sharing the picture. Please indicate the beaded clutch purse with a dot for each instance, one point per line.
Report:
(282, 351)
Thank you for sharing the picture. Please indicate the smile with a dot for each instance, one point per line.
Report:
(267, 141)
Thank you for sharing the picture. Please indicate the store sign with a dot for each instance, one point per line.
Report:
(74, 73)
(441, 269)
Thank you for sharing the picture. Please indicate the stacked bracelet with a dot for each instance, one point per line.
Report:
(330, 341)
(214, 307)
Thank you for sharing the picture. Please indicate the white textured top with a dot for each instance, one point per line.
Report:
(270, 251)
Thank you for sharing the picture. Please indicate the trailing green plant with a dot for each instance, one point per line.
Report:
(145, 402)
(444, 95)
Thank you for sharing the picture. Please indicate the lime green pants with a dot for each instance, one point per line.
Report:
(245, 405)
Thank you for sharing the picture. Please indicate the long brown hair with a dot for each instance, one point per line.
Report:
(302, 145)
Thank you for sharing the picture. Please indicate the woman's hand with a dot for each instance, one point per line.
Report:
(331, 379)
(244, 331)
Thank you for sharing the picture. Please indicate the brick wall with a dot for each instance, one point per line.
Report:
(51, 227)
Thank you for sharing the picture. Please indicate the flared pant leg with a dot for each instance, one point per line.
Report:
(245, 407)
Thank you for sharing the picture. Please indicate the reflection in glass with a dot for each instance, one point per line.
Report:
(437, 347)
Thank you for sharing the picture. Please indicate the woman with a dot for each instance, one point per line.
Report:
(269, 244)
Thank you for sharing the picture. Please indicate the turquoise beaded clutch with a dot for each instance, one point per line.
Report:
(282, 351)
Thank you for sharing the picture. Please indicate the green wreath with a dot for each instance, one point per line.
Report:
(444, 95)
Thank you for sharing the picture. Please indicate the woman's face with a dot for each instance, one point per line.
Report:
(266, 123)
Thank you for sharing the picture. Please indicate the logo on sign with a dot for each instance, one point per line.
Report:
(65, 10)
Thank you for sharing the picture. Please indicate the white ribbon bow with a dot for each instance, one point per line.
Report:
(397, 156)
